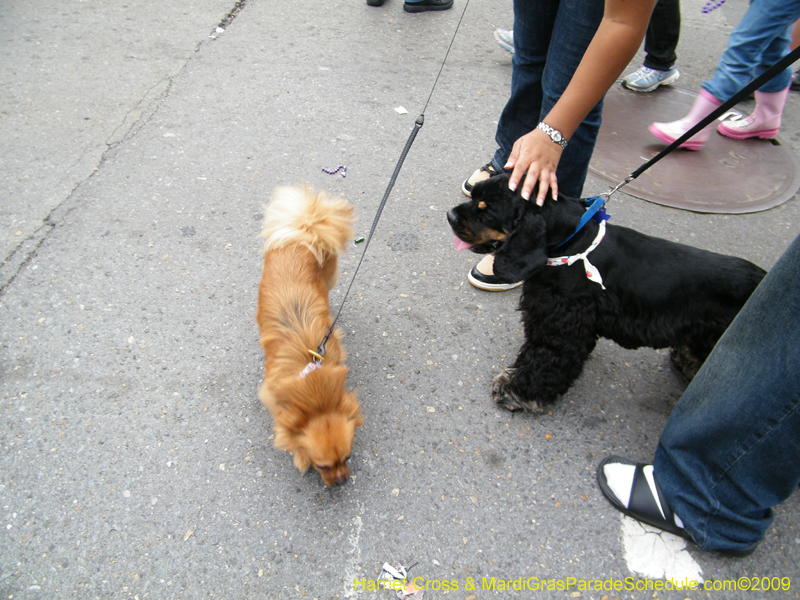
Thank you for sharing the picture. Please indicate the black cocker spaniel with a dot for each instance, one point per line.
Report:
(605, 281)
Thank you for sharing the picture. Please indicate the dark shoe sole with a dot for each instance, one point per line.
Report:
(416, 7)
(489, 283)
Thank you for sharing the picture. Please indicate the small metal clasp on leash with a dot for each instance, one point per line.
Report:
(607, 195)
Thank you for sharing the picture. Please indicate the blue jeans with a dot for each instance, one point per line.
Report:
(759, 41)
(550, 38)
(731, 448)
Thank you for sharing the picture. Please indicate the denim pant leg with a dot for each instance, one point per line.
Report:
(663, 33)
(731, 448)
(759, 41)
(550, 38)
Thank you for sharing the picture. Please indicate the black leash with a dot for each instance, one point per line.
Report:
(738, 97)
(417, 126)
(595, 204)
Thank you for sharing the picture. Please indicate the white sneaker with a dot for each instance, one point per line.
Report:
(647, 79)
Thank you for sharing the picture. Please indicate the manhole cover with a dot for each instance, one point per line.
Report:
(727, 176)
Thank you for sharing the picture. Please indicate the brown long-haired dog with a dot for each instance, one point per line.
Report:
(315, 416)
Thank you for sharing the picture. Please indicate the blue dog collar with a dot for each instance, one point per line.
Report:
(594, 210)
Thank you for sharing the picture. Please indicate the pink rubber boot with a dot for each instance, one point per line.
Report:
(765, 120)
(669, 132)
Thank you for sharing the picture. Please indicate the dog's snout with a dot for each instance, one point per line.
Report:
(452, 218)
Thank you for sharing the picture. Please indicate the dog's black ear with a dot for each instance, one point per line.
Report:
(523, 251)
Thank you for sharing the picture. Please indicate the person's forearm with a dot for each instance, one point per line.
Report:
(534, 157)
(617, 39)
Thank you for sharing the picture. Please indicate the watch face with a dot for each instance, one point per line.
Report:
(556, 136)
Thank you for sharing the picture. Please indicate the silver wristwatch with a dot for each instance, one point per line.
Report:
(554, 134)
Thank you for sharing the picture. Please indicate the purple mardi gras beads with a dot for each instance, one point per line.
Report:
(711, 5)
(340, 168)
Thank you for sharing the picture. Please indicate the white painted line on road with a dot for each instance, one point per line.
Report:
(656, 554)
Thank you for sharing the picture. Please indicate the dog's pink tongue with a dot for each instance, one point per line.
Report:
(461, 244)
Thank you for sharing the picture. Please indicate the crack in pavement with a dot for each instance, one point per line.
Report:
(237, 8)
(131, 124)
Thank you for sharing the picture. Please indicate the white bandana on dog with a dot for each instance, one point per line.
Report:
(591, 271)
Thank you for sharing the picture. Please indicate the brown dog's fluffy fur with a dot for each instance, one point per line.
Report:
(315, 416)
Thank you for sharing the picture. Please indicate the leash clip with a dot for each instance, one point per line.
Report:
(624, 182)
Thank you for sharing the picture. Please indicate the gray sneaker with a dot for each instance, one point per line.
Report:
(647, 79)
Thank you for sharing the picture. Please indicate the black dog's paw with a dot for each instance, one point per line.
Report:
(504, 395)
(685, 362)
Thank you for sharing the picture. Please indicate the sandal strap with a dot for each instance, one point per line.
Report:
(643, 505)
(646, 507)
(489, 168)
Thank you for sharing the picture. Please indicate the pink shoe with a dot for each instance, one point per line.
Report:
(669, 132)
(763, 123)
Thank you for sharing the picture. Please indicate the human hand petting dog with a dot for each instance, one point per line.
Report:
(535, 153)
(614, 44)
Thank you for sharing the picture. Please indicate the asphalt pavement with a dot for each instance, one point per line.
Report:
(139, 143)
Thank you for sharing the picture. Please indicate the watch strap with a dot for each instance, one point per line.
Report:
(554, 134)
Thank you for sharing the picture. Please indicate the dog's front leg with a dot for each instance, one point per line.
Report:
(559, 336)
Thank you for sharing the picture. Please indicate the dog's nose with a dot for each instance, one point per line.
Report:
(340, 481)
(451, 217)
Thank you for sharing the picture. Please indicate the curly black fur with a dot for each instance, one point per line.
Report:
(658, 293)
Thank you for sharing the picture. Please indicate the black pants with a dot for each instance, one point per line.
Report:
(662, 35)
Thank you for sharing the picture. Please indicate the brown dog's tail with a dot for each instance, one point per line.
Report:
(309, 217)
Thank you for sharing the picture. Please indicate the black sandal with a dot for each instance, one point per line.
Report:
(642, 506)
(466, 187)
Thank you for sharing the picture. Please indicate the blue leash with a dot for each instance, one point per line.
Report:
(594, 211)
